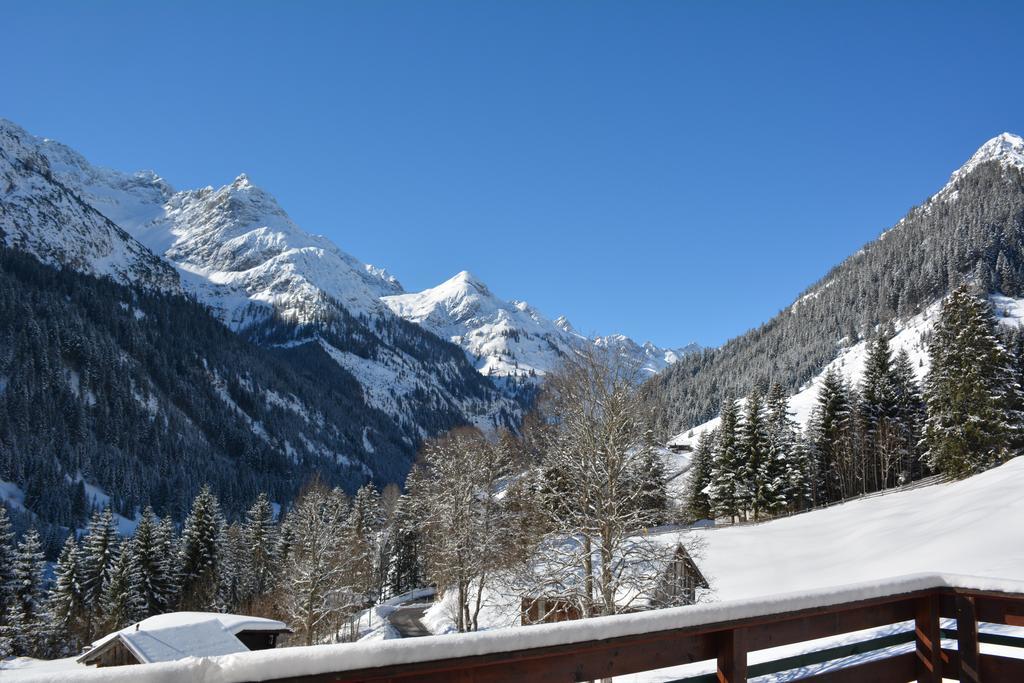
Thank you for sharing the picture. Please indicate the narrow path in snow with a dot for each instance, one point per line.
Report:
(406, 619)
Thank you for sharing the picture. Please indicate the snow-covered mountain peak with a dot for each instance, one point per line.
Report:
(563, 324)
(509, 337)
(44, 214)
(242, 181)
(1006, 148)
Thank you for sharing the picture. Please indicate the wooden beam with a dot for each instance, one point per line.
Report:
(995, 668)
(806, 627)
(968, 653)
(899, 668)
(732, 656)
(929, 644)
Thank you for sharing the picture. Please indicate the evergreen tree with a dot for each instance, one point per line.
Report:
(754, 445)
(233, 561)
(97, 564)
(698, 498)
(66, 604)
(970, 390)
(405, 564)
(6, 561)
(260, 535)
(650, 480)
(120, 603)
(727, 474)
(151, 581)
(878, 399)
(361, 529)
(198, 555)
(26, 627)
(909, 420)
(786, 485)
(830, 428)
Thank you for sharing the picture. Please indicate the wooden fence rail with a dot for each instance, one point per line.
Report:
(730, 642)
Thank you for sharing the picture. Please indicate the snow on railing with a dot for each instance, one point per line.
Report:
(615, 645)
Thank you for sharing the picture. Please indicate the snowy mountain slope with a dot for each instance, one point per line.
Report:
(235, 246)
(236, 250)
(911, 335)
(41, 215)
(972, 229)
(510, 338)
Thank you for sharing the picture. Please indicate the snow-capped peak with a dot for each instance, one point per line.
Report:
(49, 219)
(1006, 148)
(509, 337)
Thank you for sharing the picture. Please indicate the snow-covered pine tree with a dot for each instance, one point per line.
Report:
(261, 541)
(167, 541)
(785, 480)
(757, 495)
(65, 607)
(26, 627)
(910, 416)
(727, 472)
(231, 579)
(97, 563)
(405, 565)
(652, 500)
(1013, 340)
(6, 562)
(698, 487)
(878, 414)
(970, 390)
(198, 553)
(120, 604)
(829, 433)
(361, 531)
(151, 582)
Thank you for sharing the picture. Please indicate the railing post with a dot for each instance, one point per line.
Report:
(732, 656)
(929, 642)
(967, 639)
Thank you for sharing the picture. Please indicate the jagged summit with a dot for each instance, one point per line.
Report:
(509, 338)
(45, 217)
(1006, 148)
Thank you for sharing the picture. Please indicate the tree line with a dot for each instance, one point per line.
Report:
(881, 433)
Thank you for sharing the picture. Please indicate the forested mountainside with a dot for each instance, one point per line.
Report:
(973, 229)
(148, 396)
(237, 251)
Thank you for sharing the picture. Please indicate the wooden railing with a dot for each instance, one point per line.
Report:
(729, 643)
(907, 611)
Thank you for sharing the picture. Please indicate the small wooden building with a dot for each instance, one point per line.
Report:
(168, 637)
(679, 582)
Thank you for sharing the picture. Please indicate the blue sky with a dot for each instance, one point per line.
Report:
(675, 171)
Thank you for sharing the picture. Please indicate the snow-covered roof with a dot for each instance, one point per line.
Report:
(173, 636)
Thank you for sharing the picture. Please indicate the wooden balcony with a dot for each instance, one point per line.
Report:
(725, 633)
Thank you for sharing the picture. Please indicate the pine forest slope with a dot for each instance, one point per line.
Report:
(147, 396)
(973, 229)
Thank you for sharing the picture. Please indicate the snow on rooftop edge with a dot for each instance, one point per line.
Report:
(318, 659)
